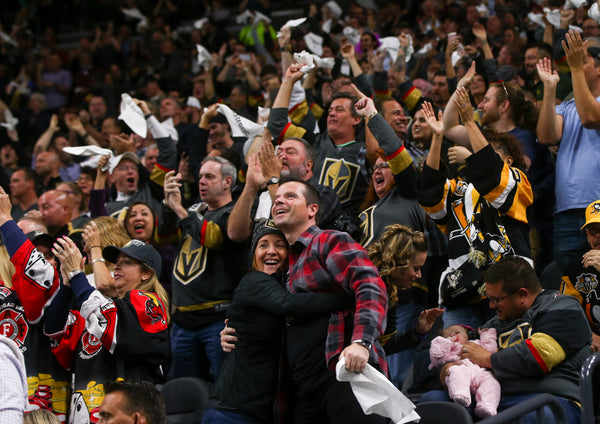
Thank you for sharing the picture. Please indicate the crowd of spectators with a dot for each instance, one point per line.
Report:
(172, 126)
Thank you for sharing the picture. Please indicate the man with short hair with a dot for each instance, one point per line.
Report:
(187, 133)
(150, 157)
(22, 192)
(574, 124)
(323, 261)
(136, 402)
(543, 341)
(208, 266)
(439, 91)
(295, 158)
(533, 54)
(340, 153)
(47, 166)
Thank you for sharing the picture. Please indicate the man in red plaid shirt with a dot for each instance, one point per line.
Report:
(328, 262)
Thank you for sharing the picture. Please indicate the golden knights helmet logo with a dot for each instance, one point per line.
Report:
(340, 176)
(190, 263)
(366, 226)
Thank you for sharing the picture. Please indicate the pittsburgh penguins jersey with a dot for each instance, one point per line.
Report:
(110, 339)
(396, 207)
(343, 168)
(457, 206)
(208, 266)
(582, 283)
(22, 309)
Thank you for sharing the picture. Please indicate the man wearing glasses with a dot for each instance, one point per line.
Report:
(543, 340)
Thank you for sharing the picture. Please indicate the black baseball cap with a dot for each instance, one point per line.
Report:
(39, 237)
(138, 250)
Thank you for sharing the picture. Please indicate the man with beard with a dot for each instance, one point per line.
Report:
(214, 133)
(439, 92)
(47, 165)
(295, 158)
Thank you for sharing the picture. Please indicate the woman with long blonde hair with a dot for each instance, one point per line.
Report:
(105, 339)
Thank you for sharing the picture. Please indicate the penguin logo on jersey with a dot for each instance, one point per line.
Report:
(189, 263)
(13, 326)
(340, 176)
(586, 282)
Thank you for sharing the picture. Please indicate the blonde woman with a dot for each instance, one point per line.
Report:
(106, 339)
(97, 234)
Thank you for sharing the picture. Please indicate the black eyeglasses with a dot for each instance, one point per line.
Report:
(501, 84)
(381, 165)
(497, 300)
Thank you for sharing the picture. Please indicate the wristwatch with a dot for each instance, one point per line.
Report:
(273, 180)
(363, 343)
(73, 273)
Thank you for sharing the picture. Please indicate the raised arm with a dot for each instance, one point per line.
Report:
(550, 124)
(452, 128)
(239, 224)
(42, 143)
(465, 110)
(437, 127)
(585, 99)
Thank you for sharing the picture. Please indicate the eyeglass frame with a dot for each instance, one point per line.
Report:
(379, 165)
(497, 300)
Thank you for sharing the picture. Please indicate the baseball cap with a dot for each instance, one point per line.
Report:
(138, 250)
(592, 213)
(115, 161)
(39, 237)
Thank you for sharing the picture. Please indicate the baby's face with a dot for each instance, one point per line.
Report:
(457, 333)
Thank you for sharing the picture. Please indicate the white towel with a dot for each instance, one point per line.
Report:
(376, 394)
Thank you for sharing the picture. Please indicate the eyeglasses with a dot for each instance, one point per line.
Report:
(84, 178)
(381, 165)
(501, 84)
(497, 300)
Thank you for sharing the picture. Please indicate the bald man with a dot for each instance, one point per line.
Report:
(47, 165)
(56, 210)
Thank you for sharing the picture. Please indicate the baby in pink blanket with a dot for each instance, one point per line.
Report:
(467, 378)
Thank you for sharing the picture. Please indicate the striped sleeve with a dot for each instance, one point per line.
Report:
(506, 189)
(434, 192)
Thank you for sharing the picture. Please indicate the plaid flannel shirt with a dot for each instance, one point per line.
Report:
(331, 261)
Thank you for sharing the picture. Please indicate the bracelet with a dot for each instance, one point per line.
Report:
(372, 115)
(287, 48)
(91, 247)
(98, 260)
(148, 115)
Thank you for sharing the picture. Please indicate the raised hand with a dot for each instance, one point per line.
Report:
(271, 167)
(293, 73)
(463, 104)
(436, 125)
(575, 49)
(547, 76)
(254, 174)
(365, 107)
(347, 50)
(479, 31)
(171, 188)
(467, 79)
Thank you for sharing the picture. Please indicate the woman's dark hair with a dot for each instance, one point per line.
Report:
(154, 219)
(509, 145)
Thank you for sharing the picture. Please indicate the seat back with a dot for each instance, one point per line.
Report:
(186, 399)
(442, 413)
(590, 411)
(537, 404)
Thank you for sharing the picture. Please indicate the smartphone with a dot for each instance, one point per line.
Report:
(245, 56)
